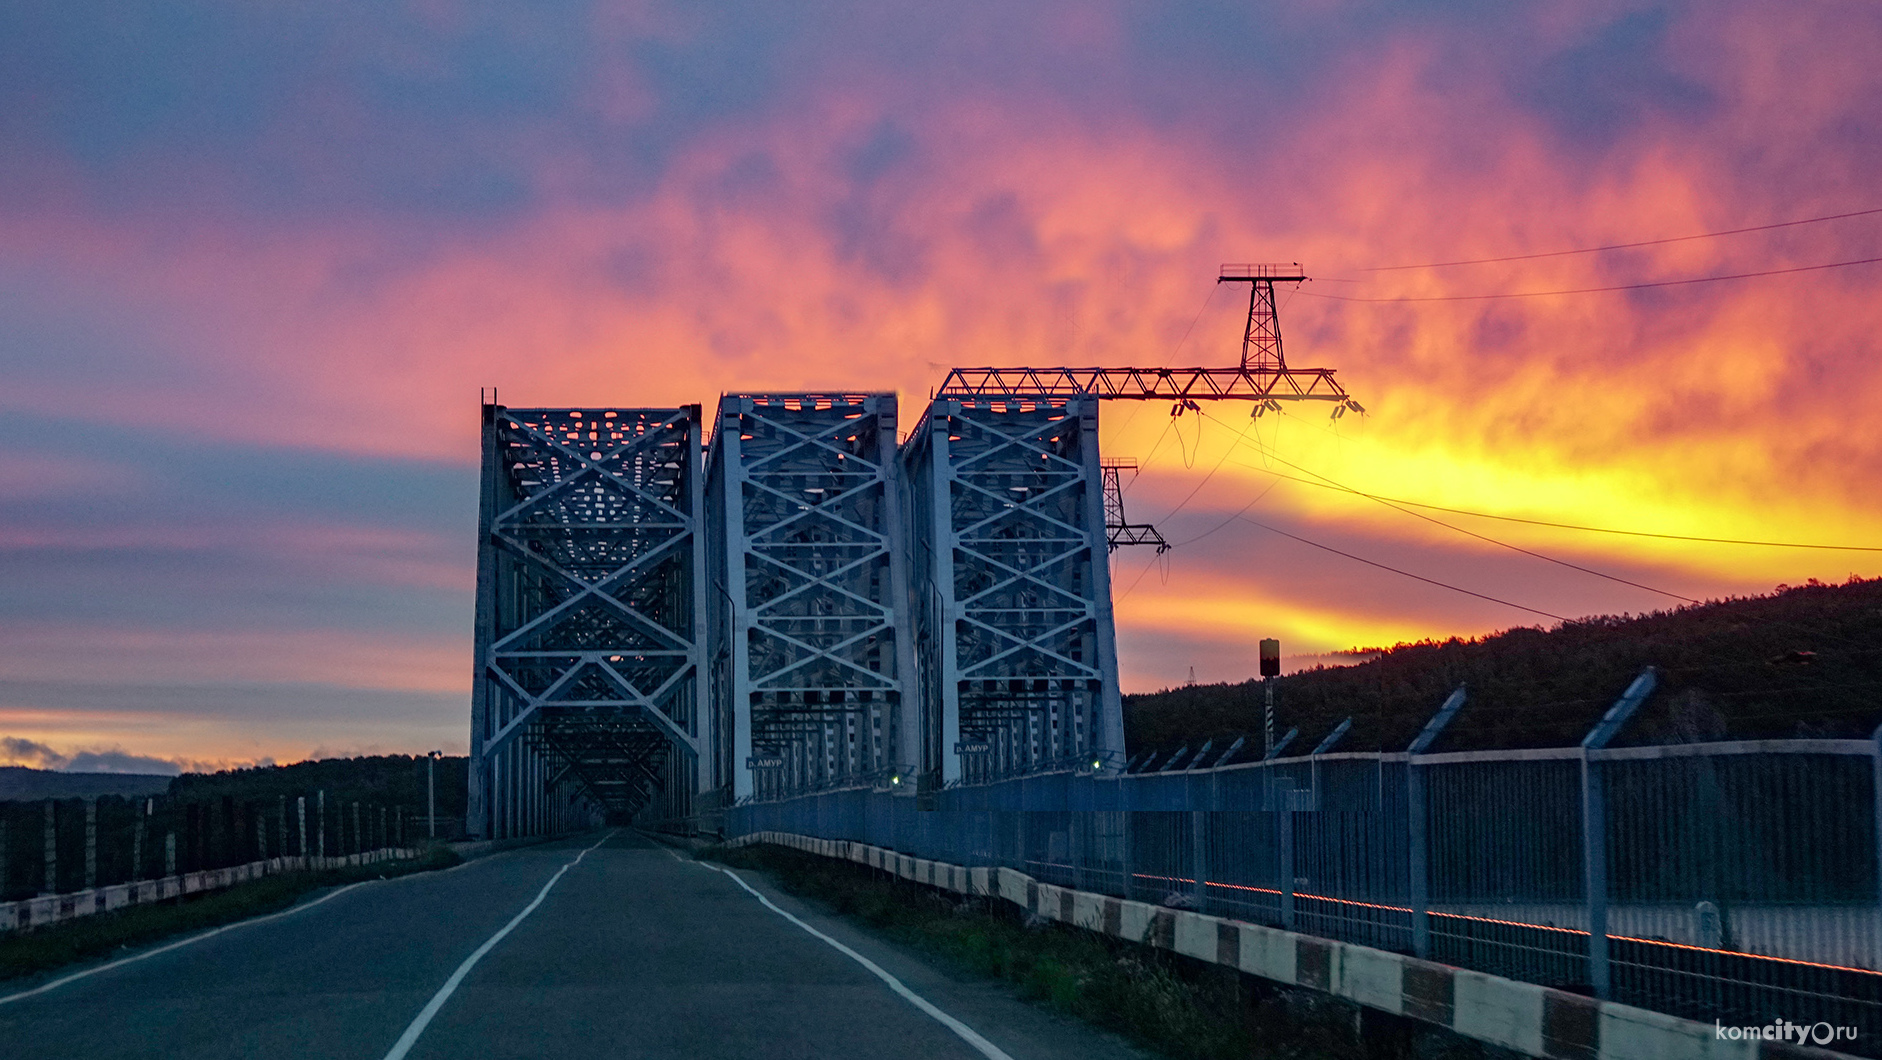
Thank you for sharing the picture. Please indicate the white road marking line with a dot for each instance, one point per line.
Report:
(120, 962)
(966, 1033)
(410, 1037)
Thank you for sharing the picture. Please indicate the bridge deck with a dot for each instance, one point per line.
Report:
(634, 953)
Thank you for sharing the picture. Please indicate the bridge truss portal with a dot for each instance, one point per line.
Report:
(588, 699)
(809, 647)
(1017, 647)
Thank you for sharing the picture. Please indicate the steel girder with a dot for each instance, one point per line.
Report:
(1012, 588)
(589, 638)
(1250, 383)
(809, 652)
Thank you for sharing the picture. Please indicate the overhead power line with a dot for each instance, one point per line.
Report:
(1471, 533)
(1406, 573)
(1577, 526)
(1598, 290)
(1627, 246)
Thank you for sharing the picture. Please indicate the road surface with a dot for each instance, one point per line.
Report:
(635, 951)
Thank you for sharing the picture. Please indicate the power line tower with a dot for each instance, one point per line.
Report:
(1262, 376)
(1015, 516)
(1261, 341)
(1119, 530)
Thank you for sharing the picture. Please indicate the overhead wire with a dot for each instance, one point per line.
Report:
(1405, 573)
(1331, 484)
(1145, 462)
(1598, 290)
(1480, 537)
(1244, 508)
(1185, 502)
(1242, 514)
(1627, 246)
(1571, 526)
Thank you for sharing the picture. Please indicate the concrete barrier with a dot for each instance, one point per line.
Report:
(1530, 1019)
(53, 908)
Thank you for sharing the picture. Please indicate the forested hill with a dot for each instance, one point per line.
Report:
(1802, 662)
(378, 780)
(24, 783)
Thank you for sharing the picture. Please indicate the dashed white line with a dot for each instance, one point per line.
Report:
(966, 1033)
(410, 1037)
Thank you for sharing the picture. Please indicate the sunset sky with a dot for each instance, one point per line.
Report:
(256, 260)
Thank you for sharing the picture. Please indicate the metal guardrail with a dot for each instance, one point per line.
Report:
(1736, 881)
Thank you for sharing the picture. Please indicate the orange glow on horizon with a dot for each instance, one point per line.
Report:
(1025, 232)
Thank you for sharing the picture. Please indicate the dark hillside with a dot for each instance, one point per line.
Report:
(22, 782)
(383, 780)
(1803, 662)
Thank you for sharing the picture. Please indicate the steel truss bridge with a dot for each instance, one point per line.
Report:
(668, 628)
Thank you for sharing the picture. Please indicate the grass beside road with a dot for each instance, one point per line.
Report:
(102, 935)
(1161, 1001)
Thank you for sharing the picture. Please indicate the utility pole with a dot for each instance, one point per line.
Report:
(1270, 669)
(431, 792)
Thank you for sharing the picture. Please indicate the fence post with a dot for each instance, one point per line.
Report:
(52, 851)
(1594, 827)
(169, 853)
(320, 824)
(1415, 832)
(1284, 825)
(300, 805)
(1416, 822)
(4, 878)
(1078, 821)
(91, 844)
(1875, 810)
(1594, 861)
(1198, 856)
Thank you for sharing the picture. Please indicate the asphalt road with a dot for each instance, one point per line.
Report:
(633, 953)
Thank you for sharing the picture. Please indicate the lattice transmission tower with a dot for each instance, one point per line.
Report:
(1015, 514)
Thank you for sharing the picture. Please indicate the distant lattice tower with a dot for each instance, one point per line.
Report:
(588, 689)
(809, 648)
(1012, 588)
